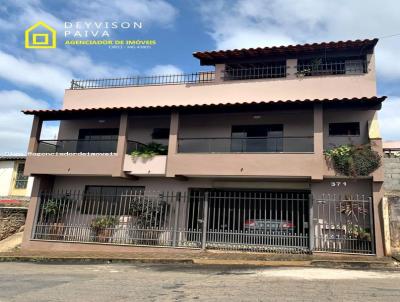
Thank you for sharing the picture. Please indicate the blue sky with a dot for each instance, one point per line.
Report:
(37, 78)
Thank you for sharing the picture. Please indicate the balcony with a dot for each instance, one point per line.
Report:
(77, 146)
(74, 157)
(143, 166)
(246, 145)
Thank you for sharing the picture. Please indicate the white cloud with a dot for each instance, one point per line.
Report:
(242, 24)
(49, 78)
(389, 118)
(164, 70)
(14, 125)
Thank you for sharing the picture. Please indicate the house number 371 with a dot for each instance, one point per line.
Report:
(338, 184)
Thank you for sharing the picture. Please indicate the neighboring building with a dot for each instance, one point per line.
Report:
(245, 167)
(391, 148)
(14, 185)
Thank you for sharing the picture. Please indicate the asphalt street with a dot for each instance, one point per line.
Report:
(146, 282)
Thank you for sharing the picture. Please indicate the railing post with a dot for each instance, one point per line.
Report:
(311, 223)
(371, 223)
(205, 221)
(175, 227)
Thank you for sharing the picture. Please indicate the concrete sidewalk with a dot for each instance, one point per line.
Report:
(209, 257)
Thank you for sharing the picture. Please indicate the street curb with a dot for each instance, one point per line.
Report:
(211, 262)
(261, 263)
(93, 260)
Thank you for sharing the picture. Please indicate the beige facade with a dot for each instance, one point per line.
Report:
(200, 118)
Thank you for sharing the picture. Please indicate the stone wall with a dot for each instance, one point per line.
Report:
(11, 220)
(394, 222)
(392, 174)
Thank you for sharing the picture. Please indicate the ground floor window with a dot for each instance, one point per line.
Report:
(109, 200)
(21, 181)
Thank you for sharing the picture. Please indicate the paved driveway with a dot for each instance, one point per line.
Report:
(127, 282)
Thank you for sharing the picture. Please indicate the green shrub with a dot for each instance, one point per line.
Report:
(100, 223)
(150, 150)
(354, 160)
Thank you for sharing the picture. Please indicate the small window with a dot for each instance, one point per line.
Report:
(160, 133)
(344, 129)
(21, 181)
(109, 200)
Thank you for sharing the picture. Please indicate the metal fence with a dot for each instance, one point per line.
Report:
(343, 224)
(260, 72)
(264, 221)
(247, 145)
(191, 78)
(318, 68)
(78, 145)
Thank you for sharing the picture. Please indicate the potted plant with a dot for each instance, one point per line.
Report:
(143, 212)
(150, 150)
(354, 160)
(103, 228)
(52, 211)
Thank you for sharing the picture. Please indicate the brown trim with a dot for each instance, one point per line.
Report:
(74, 113)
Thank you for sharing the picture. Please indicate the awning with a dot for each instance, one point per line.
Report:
(68, 113)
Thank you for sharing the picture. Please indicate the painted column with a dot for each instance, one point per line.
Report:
(121, 144)
(318, 141)
(40, 184)
(173, 140)
(219, 72)
(291, 68)
(35, 134)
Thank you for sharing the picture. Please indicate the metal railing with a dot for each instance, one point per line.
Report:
(343, 224)
(133, 146)
(351, 67)
(191, 78)
(77, 146)
(259, 221)
(265, 221)
(391, 152)
(263, 72)
(246, 145)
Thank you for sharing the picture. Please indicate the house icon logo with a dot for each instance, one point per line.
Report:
(40, 35)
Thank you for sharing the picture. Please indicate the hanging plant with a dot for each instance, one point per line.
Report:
(354, 160)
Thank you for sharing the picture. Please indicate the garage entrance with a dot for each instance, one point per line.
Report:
(255, 220)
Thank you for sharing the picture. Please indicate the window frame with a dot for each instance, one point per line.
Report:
(86, 205)
(344, 135)
(20, 178)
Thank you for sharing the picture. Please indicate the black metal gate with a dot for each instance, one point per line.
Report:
(250, 220)
(343, 224)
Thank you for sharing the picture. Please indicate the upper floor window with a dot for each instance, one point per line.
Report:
(344, 129)
(245, 71)
(21, 181)
(160, 133)
(331, 66)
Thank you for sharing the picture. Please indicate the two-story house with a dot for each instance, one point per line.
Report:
(227, 159)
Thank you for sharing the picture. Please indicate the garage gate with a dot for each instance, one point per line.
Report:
(275, 221)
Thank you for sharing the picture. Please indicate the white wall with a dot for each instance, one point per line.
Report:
(6, 173)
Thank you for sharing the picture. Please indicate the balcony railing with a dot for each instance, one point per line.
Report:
(350, 67)
(77, 146)
(133, 146)
(246, 145)
(191, 78)
(264, 72)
